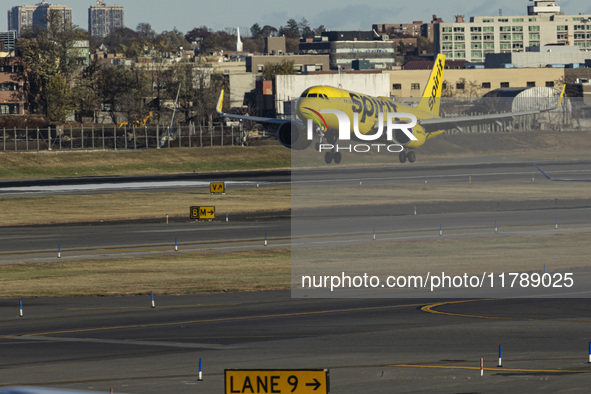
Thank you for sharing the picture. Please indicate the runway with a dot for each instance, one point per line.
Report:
(378, 346)
(437, 173)
(369, 345)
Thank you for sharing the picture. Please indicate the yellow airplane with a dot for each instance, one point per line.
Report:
(338, 115)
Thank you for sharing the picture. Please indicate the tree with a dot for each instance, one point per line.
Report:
(170, 41)
(305, 29)
(291, 29)
(255, 30)
(122, 40)
(270, 70)
(269, 31)
(145, 31)
(123, 90)
(198, 34)
(50, 66)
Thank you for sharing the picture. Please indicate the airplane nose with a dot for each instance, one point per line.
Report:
(300, 104)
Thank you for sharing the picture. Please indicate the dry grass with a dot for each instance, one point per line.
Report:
(92, 207)
(241, 271)
(266, 270)
(374, 193)
(56, 164)
(497, 254)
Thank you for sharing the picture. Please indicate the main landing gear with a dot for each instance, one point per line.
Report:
(332, 155)
(410, 155)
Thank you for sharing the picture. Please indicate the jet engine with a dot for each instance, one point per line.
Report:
(293, 135)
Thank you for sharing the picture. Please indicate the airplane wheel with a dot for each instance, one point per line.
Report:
(328, 157)
(337, 157)
(411, 157)
(317, 146)
(402, 157)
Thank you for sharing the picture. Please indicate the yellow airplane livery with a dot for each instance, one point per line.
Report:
(337, 116)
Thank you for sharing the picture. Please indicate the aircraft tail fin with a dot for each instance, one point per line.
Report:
(220, 102)
(432, 94)
(561, 95)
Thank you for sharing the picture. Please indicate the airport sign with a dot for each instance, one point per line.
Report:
(217, 187)
(263, 381)
(201, 213)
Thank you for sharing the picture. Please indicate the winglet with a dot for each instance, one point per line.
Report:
(220, 102)
(543, 173)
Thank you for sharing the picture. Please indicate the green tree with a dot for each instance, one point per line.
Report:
(170, 41)
(255, 30)
(270, 70)
(123, 90)
(291, 29)
(145, 31)
(50, 67)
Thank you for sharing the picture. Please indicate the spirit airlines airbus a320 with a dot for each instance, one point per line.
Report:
(335, 114)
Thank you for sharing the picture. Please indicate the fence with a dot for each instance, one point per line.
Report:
(113, 138)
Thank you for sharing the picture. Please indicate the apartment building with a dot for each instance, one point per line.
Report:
(544, 24)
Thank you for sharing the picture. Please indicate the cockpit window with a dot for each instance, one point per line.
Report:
(306, 93)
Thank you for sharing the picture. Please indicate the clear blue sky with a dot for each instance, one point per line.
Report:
(333, 14)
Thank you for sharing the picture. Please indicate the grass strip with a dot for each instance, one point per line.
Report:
(239, 271)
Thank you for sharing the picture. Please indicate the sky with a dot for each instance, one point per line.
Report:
(333, 14)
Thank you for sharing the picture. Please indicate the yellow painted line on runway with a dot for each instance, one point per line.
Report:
(430, 309)
(496, 369)
(147, 325)
(153, 377)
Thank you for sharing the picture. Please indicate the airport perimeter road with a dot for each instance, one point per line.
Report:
(319, 228)
(104, 241)
(370, 346)
(436, 173)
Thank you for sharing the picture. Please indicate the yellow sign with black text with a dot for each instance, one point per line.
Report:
(297, 381)
(200, 213)
(217, 187)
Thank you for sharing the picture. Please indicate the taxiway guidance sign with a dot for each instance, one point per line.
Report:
(217, 187)
(199, 213)
(263, 381)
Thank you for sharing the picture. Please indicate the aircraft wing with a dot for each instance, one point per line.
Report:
(560, 179)
(436, 124)
(256, 119)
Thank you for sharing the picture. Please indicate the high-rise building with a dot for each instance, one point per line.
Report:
(544, 24)
(7, 40)
(104, 19)
(21, 18)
